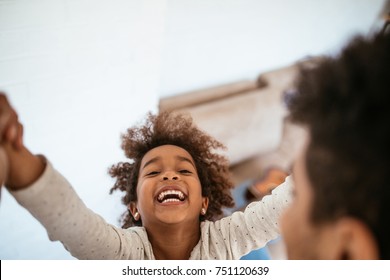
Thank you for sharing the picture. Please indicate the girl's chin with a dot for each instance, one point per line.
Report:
(177, 218)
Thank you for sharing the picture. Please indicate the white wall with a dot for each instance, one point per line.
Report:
(209, 43)
(80, 72)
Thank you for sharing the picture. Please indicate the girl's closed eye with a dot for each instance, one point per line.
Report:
(151, 173)
(185, 171)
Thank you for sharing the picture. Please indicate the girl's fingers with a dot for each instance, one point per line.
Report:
(18, 144)
(5, 115)
(10, 128)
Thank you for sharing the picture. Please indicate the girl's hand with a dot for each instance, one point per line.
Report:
(10, 134)
(11, 131)
(3, 167)
(18, 166)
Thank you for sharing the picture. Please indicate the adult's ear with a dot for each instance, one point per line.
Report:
(355, 240)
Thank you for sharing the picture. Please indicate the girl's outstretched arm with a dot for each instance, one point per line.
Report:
(50, 198)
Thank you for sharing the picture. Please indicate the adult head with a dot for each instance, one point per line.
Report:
(342, 191)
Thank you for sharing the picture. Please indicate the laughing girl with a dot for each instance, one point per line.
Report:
(175, 186)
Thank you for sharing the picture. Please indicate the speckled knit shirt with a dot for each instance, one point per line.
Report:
(86, 235)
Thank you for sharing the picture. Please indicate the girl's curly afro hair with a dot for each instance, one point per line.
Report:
(168, 128)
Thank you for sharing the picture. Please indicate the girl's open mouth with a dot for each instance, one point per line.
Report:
(171, 196)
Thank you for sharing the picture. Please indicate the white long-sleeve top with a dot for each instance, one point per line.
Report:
(86, 235)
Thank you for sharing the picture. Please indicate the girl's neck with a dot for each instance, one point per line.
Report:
(174, 242)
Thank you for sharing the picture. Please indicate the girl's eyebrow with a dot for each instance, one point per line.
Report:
(186, 159)
(151, 161)
(181, 158)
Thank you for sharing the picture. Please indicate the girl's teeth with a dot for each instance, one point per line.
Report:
(162, 195)
(170, 200)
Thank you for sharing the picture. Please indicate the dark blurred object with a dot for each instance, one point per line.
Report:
(288, 96)
(271, 178)
(254, 190)
(384, 17)
(386, 24)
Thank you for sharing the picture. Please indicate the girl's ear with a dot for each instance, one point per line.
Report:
(205, 203)
(356, 241)
(134, 211)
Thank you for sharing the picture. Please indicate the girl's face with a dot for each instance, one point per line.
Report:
(168, 189)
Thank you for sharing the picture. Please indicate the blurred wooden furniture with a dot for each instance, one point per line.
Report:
(249, 117)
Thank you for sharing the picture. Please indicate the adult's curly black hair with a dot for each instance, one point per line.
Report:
(179, 130)
(345, 103)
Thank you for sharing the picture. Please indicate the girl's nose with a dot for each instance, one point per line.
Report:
(170, 175)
